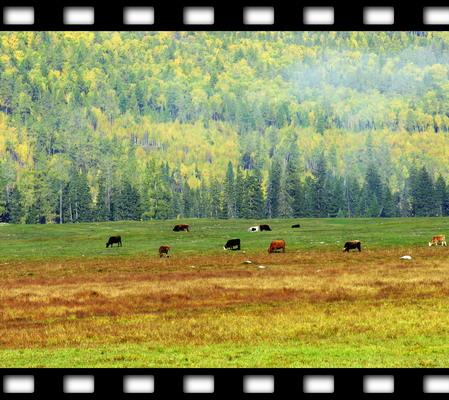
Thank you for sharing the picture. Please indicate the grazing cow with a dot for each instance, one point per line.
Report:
(114, 239)
(437, 239)
(231, 243)
(277, 245)
(181, 228)
(296, 226)
(264, 228)
(354, 244)
(253, 229)
(164, 250)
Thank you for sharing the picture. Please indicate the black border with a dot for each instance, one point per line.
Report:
(168, 382)
(227, 17)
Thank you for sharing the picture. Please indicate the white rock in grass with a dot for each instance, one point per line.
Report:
(406, 258)
(192, 266)
(261, 267)
(247, 262)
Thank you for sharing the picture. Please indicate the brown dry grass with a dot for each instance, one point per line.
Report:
(307, 297)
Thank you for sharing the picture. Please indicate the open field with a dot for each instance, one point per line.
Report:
(67, 301)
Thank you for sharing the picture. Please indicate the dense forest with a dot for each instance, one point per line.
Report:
(99, 126)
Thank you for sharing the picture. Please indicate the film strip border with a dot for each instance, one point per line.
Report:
(205, 15)
(274, 383)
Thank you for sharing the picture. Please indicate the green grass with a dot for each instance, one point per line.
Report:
(208, 236)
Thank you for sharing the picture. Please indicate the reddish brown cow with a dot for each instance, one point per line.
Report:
(354, 244)
(277, 245)
(164, 250)
(438, 239)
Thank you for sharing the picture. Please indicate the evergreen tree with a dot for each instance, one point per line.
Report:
(310, 198)
(239, 193)
(441, 197)
(273, 190)
(423, 195)
(253, 199)
(128, 203)
(352, 192)
(336, 205)
(285, 209)
(103, 210)
(321, 188)
(79, 206)
(15, 209)
(216, 202)
(390, 204)
(229, 194)
(293, 184)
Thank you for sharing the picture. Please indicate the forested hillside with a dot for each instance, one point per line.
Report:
(98, 126)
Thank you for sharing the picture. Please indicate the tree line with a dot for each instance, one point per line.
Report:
(99, 126)
(240, 195)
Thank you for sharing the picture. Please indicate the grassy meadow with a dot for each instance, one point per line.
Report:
(68, 301)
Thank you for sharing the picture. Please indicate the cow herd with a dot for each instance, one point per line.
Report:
(275, 246)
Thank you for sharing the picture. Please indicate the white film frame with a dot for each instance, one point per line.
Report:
(18, 384)
(318, 384)
(378, 384)
(18, 15)
(199, 384)
(79, 15)
(258, 15)
(198, 15)
(436, 16)
(258, 384)
(138, 384)
(436, 383)
(138, 15)
(79, 384)
(378, 15)
(318, 16)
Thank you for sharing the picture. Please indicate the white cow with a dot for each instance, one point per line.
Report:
(253, 229)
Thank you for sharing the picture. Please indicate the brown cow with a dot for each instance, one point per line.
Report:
(164, 250)
(181, 228)
(354, 244)
(114, 239)
(277, 245)
(437, 239)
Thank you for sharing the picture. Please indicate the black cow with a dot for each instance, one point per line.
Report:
(114, 239)
(231, 243)
(181, 228)
(264, 228)
(296, 226)
(354, 244)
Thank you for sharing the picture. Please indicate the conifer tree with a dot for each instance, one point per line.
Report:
(441, 197)
(423, 195)
(273, 189)
(239, 192)
(336, 205)
(253, 200)
(321, 188)
(128, 203)
(229, 194)
(15, 209)
(102, 207)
